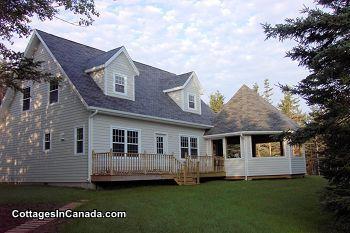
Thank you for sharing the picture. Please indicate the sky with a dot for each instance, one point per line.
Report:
(222, 41)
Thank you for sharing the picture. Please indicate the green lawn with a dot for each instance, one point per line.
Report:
(215, 206)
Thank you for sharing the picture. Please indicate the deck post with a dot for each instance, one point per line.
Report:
(110, 161)
(197, 168)
(93, 162)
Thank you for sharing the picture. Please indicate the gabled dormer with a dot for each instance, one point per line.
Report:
(185, 90)
(114, 72)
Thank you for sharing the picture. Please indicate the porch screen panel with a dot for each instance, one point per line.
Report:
(266, 146)
(233, 147)
(133, 141)
(118, 140)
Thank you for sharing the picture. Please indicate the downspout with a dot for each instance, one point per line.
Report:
(90, 138)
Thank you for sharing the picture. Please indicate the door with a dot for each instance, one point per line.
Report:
(218, 148)
(161, 143)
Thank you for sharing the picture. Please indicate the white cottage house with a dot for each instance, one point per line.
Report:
(115, 119)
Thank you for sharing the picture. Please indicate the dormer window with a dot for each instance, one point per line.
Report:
(119, 84)
(191, 101)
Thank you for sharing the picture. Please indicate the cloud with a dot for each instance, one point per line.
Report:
(222, 41)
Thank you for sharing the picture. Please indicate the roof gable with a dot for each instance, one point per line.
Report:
(181, 81)
(248, 111)
(150, 100)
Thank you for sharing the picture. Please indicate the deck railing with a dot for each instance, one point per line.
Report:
(112, 163)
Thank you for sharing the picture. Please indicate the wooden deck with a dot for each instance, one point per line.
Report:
(111, 166)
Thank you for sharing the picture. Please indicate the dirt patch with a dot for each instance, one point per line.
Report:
(8, 222)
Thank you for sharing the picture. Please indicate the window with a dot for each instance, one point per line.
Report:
(266, 146)
(191, 101)
(47, 141)
(188, 146)
(133, 141)
(118, 140)
(119, 84)
(53, 93)
(233, 147)
(125, 141)
(26, 99)
(297, 150)
(79, 140)
(160, 143)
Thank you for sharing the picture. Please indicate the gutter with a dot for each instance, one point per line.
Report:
(239, 133)
(148, 118)
(90, 138)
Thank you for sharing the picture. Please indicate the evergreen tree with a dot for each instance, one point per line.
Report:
(256, 87)
(15, 18)
(216, 101)
(267, 91)
(323, 47)
(289, 105)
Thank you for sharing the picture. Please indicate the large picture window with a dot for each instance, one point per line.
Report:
(233, 147)
(53, 93)
(125, 141)
(188, 146)
(26, 99)
(266, 146)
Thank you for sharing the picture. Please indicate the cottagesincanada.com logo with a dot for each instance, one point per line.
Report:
(67, 214)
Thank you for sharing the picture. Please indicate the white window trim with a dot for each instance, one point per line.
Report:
(75, 140)
(47, 132)
(125, 137)
(240, 148)
(188, 101)
(48, 95)
(30, 99)
(189, 144)
(165, 143)
(125, 84)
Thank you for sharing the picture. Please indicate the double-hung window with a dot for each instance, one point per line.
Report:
(125, 141)
(191, 101)
(53, 92)
(79, 140)
(47, 141)
(161, 143)
(188, 146)
(26, 99)
(119, 84)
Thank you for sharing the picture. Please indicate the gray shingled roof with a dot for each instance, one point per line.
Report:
(177, 81)
(149, 85)
(101, 59)
(247, 111)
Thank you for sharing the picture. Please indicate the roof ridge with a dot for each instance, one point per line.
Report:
(155, 67)
(69, 40)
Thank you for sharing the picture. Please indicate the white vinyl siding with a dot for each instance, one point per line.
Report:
(28, 162)
(102, 134)
(121, 67)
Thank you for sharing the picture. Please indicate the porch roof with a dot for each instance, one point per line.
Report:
(248, 111)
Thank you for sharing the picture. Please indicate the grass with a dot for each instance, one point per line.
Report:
(215, 206)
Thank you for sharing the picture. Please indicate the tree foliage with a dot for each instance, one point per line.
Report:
(323, 47)
(289, 105)
(216, 101)
(15, 17)
(267, 93)
(256, 87)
